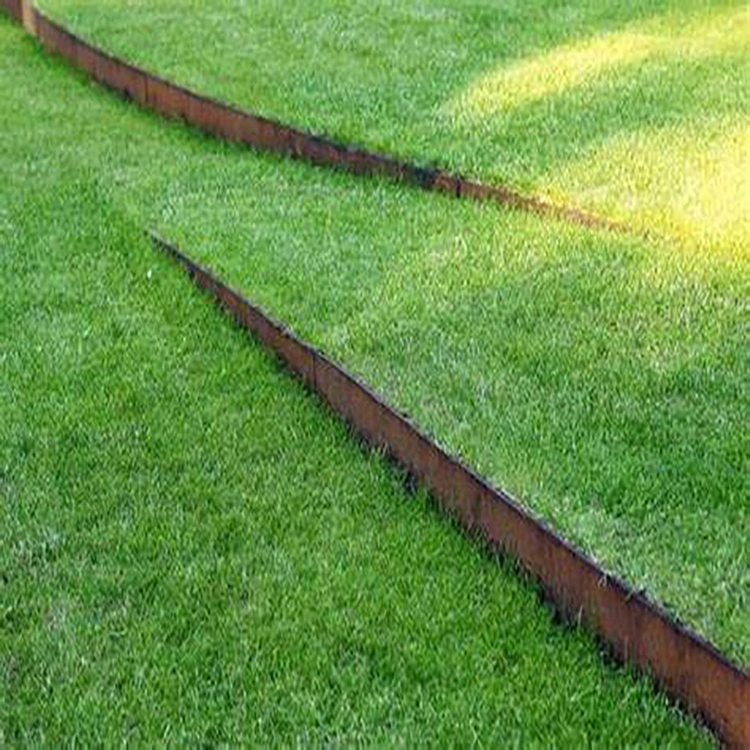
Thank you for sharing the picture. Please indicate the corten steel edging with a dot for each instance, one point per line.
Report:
(233, 124)
(638, 631)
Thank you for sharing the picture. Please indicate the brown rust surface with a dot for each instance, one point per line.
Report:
(637, 631)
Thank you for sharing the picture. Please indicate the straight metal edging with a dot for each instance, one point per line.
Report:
(638, 632)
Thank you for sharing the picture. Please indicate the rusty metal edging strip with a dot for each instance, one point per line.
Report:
(233, 124)
(639, 632)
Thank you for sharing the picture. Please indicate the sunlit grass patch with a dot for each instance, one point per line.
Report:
(586, 62)
(671, 167)
(703, 203)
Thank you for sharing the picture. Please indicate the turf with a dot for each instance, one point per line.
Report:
(635, 110)
(192, 549)
(599, 378)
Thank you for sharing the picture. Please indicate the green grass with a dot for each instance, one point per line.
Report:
(636, 110)
(602, 379)
(191, 547)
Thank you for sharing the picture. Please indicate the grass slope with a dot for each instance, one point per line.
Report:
(637, 110)
(602, 379)
(191, 547)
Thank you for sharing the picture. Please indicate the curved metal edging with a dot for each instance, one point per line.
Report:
(639, 632)
(233, 124)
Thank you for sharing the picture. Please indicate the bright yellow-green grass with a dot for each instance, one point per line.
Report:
(192, 549)
(637, 110)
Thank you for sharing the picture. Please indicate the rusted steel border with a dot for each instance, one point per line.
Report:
(232, 124)
(639, 632)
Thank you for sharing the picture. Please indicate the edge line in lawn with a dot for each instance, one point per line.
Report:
(233, 124)
(636, 630)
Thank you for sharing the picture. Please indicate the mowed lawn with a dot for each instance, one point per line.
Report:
(600, 378)
(191, 547)
(637, 110)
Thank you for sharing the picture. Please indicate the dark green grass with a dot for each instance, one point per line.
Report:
(634, 109)
(601, 379)
(192, 549)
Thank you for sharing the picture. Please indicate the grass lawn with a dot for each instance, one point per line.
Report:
(637, 110)
(191, 547)
(600, 378)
